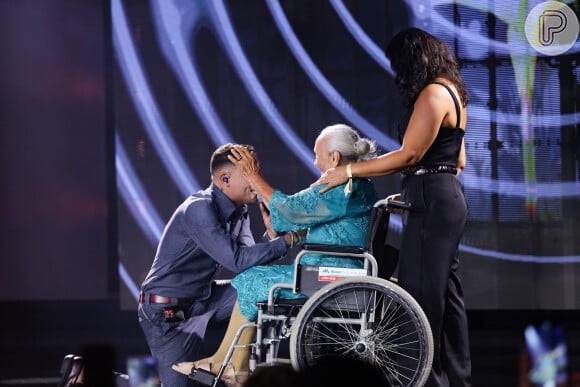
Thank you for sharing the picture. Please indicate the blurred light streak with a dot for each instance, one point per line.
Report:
(134, 196)
(139, 205)
(322, 83)
(145, 104)
(520, 257)
(174, 26)
(128, 281)
(223, 28)
(539, 120)
(520, 189)
(361, 37)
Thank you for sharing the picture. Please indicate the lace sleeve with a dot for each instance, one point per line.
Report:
(307, 208)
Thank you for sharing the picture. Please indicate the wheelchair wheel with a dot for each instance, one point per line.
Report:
(367, 318)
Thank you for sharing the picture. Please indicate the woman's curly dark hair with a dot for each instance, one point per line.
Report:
(417, 58)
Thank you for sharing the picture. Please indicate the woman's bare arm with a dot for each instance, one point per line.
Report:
(429, 112)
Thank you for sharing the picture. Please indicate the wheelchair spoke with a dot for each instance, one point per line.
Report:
(369, 319)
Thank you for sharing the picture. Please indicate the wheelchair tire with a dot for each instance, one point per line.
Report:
(370, 319)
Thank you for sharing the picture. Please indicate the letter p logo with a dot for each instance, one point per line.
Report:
(552, 22)
(552, 28)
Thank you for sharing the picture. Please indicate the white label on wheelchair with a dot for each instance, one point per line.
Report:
(329, 274)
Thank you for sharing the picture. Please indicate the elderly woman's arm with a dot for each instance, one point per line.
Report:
(249, 166)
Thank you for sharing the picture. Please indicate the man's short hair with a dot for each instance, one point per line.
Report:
(219, 158)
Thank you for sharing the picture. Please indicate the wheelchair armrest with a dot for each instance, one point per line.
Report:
(319, 247)
(310, 273)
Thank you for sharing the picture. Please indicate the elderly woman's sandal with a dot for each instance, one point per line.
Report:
(233, 378)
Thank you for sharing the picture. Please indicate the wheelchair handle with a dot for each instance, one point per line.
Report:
(394, 204)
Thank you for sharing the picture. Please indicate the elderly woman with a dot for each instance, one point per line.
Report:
(339, 216)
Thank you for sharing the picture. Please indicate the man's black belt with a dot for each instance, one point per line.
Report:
(156, 299)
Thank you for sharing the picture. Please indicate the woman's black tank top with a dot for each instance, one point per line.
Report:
(447, 145)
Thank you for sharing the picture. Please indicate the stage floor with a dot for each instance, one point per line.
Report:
(35, 337)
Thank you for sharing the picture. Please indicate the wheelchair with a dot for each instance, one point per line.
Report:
(357, 313)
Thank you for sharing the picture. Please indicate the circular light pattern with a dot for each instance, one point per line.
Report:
(176, 24)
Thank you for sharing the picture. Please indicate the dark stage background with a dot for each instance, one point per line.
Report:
(110, 111)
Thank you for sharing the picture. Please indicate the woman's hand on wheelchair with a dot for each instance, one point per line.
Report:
(395, 197)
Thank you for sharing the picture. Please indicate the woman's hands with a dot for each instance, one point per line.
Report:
(267, 218)
(395, 197)
(245, 160)
(332, 177)
(247, 163)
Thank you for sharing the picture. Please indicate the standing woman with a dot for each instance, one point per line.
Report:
(431, 155)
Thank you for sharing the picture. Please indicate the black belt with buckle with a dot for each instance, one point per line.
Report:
(429, 170)
(156, 299)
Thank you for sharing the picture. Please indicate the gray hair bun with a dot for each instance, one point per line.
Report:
(365, 149)
(348, 143)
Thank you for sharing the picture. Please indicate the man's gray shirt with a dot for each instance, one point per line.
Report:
(206, 232)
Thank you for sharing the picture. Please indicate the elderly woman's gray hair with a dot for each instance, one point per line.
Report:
(351, 146)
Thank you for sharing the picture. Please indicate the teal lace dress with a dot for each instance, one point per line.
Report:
(336, 217)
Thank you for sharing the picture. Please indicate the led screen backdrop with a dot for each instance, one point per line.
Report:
(192, 75)
(57, 177)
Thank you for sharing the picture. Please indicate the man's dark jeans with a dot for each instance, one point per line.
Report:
(174, 342)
